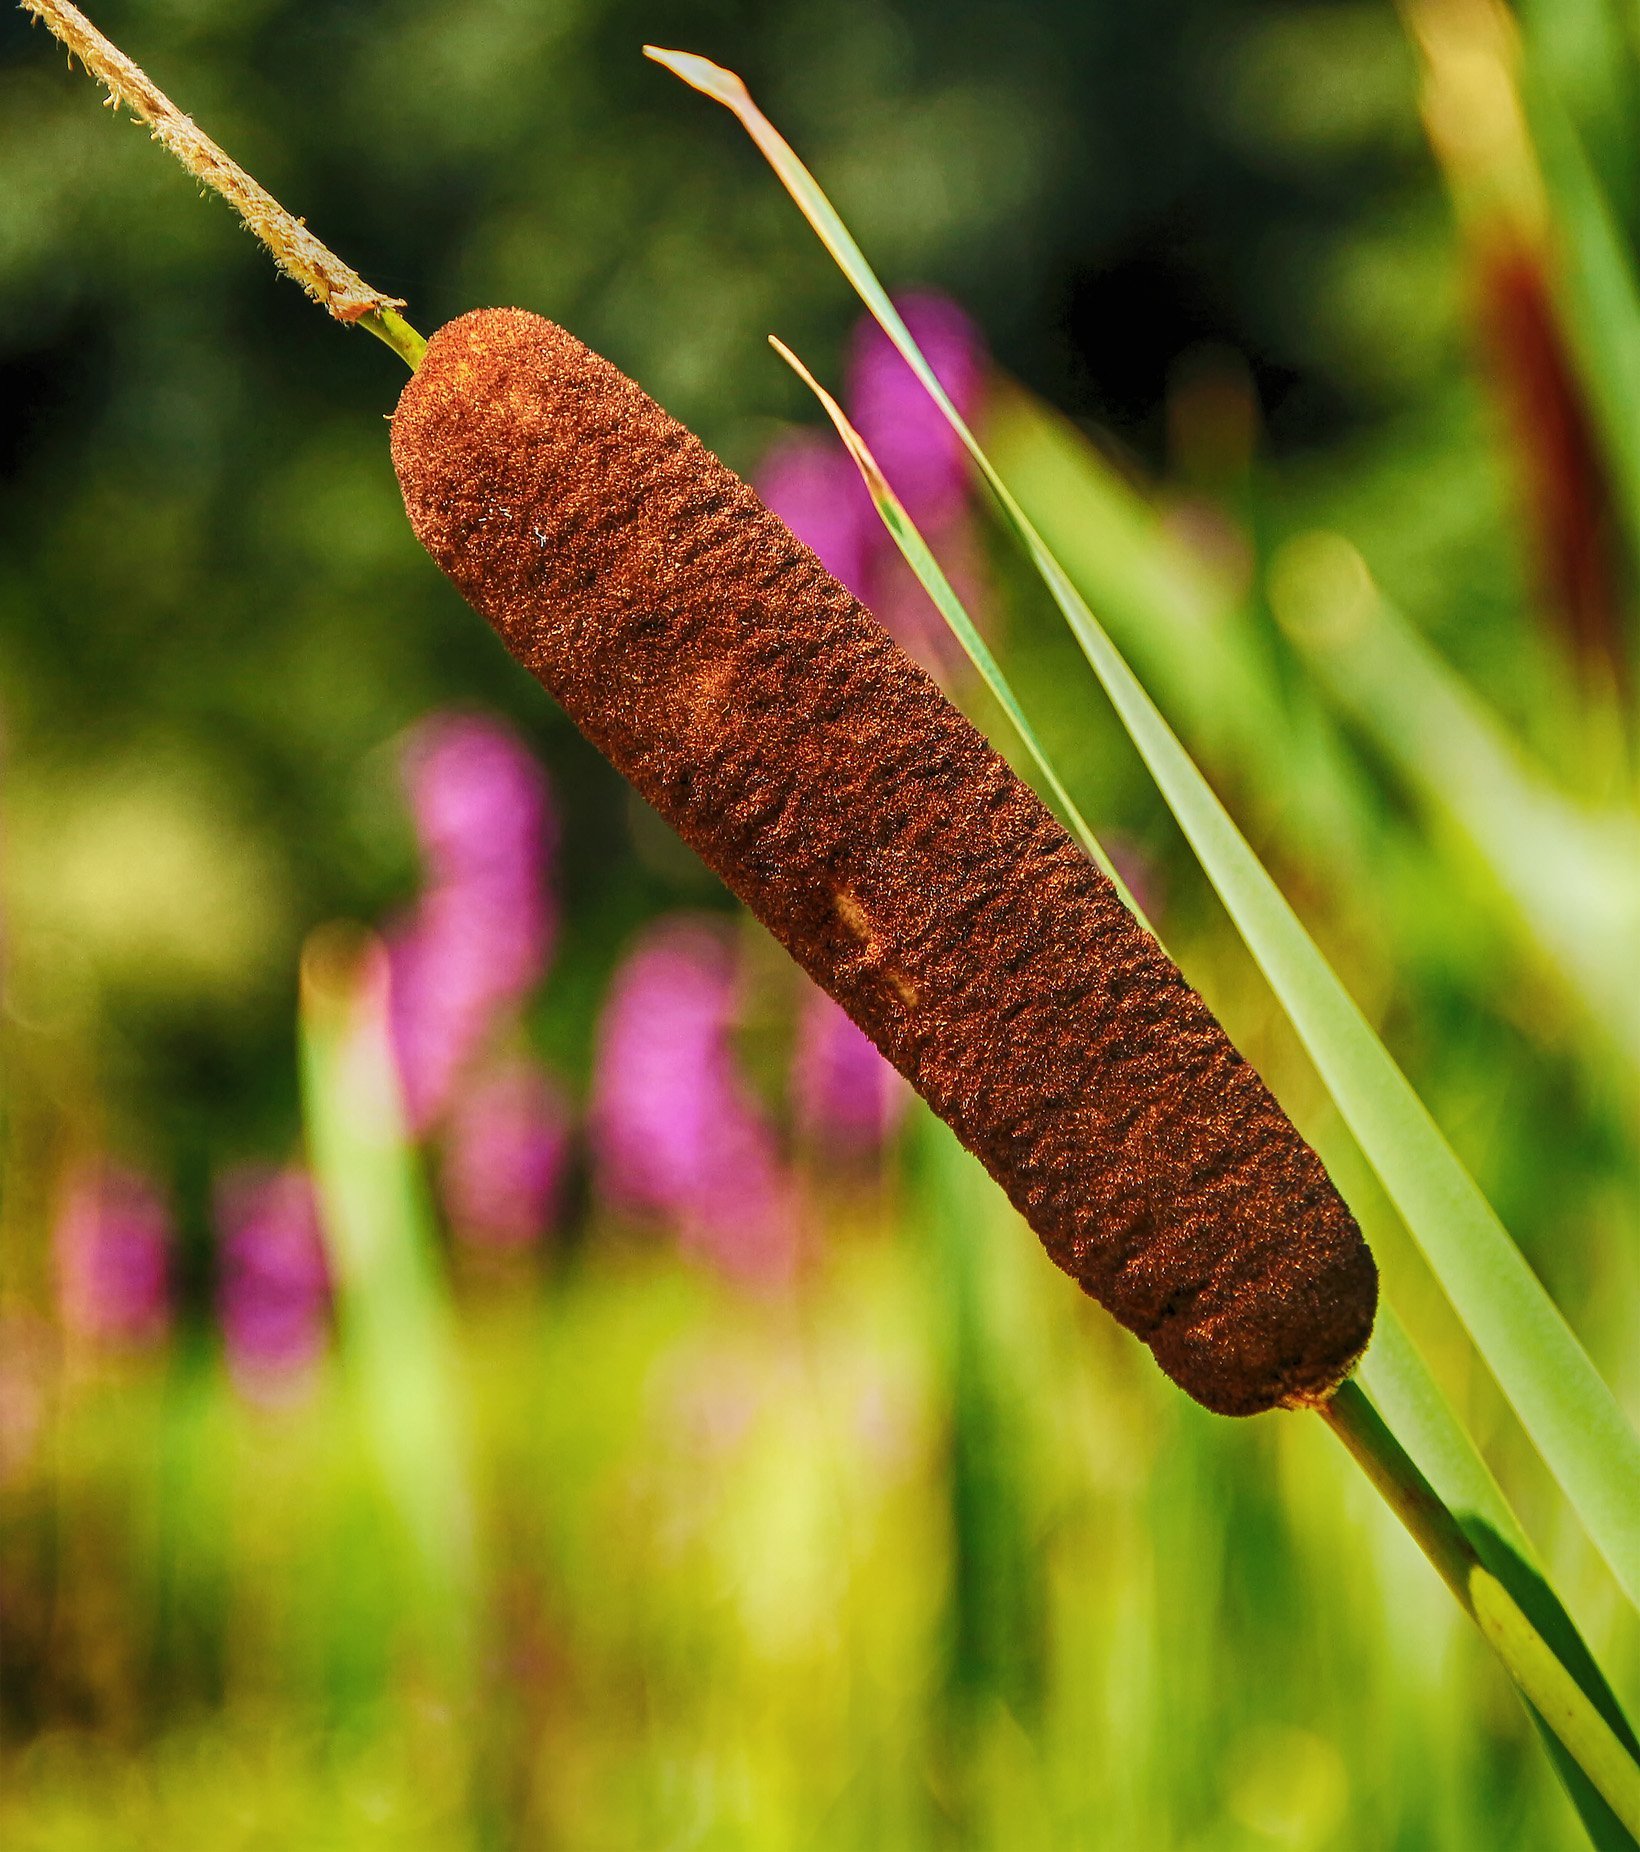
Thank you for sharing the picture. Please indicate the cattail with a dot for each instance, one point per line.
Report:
(772, 721)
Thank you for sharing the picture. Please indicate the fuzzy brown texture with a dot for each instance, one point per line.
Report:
(776, 726)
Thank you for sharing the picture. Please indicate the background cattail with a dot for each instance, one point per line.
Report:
(762, 710)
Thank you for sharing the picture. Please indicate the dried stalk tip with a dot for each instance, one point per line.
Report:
(330, 282)
(774, 723)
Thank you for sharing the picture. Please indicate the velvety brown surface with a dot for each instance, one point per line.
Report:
(771, 720)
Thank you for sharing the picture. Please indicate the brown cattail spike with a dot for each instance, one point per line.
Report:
(771, 720)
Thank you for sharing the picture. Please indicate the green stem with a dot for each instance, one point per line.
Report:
(390, 326)
(1543, 1679)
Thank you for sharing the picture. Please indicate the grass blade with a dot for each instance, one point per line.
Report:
(1548, 1685)
(1572, 875)
(1180, 625)
(393, 1316)
(1559, 1396)
(1411, 1404)
(1565, 877)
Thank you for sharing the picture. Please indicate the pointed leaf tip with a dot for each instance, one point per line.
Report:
(888, 505)
(701, 74)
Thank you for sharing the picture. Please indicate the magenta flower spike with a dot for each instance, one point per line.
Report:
(677, 1136)
(846, 1099)
(479, 938)
(112, 1248)
(810, 482)
(273, 1293)
(507, 1145)
(481, 804)
(919, 453)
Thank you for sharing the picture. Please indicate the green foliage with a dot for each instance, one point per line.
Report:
(925, 1555)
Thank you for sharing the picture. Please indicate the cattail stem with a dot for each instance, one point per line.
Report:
(390, 326)
(334, 285)
(1542, 1676)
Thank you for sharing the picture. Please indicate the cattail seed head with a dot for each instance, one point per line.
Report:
(772, 721)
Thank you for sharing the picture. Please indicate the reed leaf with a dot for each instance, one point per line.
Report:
(918, 556)
(1418, 1414)
(394, 1318)
(1563, 877)
(1571, 874)
(1554, 1692)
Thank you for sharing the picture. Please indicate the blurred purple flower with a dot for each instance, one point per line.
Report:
(273, 1294)
(481, 803)
(112, 1247)
(919, 453)
(676, 1133)
(907, 612)
(479, 937)
(846, 1098)
(811, 483)
(506, 1153)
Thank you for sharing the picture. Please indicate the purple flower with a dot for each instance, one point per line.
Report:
(506, 1152)
(112, 1244)
(846, 1098)
(478, 939)
(481, 804)
(676, 1133)
(812, 484)
(919, 453)
(459, 968)
(273, 1295)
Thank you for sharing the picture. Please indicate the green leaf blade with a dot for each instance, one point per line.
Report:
(1567, 1409)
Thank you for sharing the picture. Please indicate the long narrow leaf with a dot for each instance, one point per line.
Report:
(1572, 874)
(1570, 1413)
(1565, 877)
(1473, 1503)
(1554, 1693)
(393, 1313)
(1180, 629)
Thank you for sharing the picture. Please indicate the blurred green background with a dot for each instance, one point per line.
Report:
(609, 1530)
